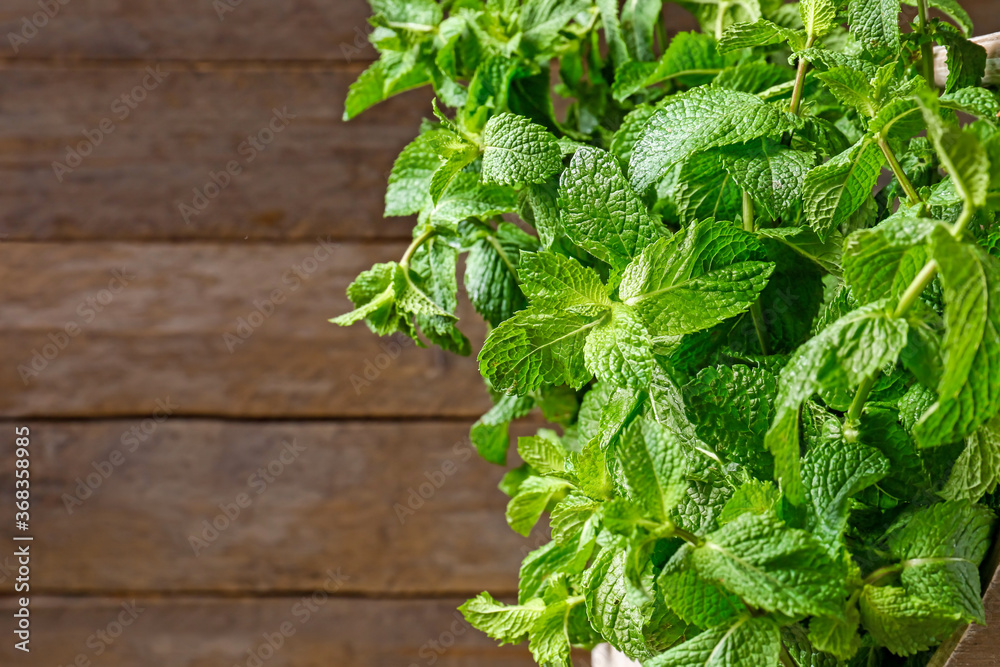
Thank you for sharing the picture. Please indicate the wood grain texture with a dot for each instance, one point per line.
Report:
(203, 30)
(177, 330)
(402, 508)
(206, 632)
(318, 175)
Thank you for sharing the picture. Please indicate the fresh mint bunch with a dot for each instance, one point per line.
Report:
(748, 274)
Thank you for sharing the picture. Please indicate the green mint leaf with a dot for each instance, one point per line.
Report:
(969, 389)
(516, 150)
(732, 408)
(940, 548)
(903, 623)
(423, 13)
(618, 411)
(700, 510)
(691, 56)
(753, 497)
(619, 350)
(536, 347)
(466, 198)
(490, 434)
(836, 636)
(772, 566)
(759, 78)
(548, 639)
(601, 213)
(569, 516)
(961, 153)
(612, 612)
(694, 599)
(557, 282)
(881, 428)
(973, 101)
(835, 190)
(852, 88)
(952, 9)
(491, 272)
(704, 189)
(613, 31)
(638, 20)
(875, 24)
(698, 120)
(459, 154)
(881, 262)
(508, 624)
(831, 476)
(977, 470)
(543, 452)
(759, 33)
(653, 461)
(771, 173)
(700, 276)
(533, 498)
(818, 16)
(393, 73)
(629, 132)
(747, 641)
(538, 206)
(541, 20)
(846, 352)
(966, 60)
(592, 470)
(410, 179)
(827, 255)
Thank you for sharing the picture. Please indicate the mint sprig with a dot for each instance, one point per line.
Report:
(776, 383)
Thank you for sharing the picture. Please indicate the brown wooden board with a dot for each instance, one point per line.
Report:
(79, 162)
(181, 505)
(207, 632)
(209, 29)
(201, 323)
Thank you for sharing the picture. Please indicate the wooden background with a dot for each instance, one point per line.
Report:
(318, 550)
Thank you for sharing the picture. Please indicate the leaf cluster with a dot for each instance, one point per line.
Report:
(748, 274)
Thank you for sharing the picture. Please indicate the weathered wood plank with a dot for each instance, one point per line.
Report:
(219, 30)
(202, 632)
(221, 329)
(236, 507)
(79, 162)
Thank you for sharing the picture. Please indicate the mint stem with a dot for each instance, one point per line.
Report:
(904, 181)
(926, 50)
(417, 242)
(756, 313)
(800, 81)
(910, 297)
